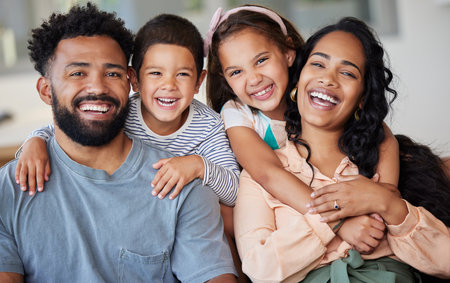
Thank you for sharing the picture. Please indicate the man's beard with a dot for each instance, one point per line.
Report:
(85, 132)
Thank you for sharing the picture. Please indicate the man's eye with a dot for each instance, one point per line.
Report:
(76, 74)
(114, 74)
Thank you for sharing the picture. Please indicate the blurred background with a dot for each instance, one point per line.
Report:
(415, 34)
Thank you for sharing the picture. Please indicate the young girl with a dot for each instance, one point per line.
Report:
(251, 67)
(335, 131)
(167, 72)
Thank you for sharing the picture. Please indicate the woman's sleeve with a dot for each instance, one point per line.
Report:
(44, 133)
(422, 241)
(271, 251)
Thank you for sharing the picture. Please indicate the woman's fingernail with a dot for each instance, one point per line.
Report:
(308, 205)
(153, 193)
(40, 189)
(313, 194)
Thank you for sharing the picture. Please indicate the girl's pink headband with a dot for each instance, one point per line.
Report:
(218, 18)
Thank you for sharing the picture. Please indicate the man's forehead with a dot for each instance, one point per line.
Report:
(90, 50)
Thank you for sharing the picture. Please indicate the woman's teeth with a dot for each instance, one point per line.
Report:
(323, 97)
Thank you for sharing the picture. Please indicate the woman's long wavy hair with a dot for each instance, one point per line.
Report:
(361, 138)
(218, 92)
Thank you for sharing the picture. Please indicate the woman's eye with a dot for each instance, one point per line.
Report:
(348, 74)
(316, 64)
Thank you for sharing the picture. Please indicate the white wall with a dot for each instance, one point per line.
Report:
(420, 57)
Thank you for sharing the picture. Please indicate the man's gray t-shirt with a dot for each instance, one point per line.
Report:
(88, 226)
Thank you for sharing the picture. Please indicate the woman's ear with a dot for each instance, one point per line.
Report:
(44, 89)
(199, 82)
(132, 75)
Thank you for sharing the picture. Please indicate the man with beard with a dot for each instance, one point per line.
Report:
(97, 220)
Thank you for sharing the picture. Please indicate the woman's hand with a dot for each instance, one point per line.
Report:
(355, 196)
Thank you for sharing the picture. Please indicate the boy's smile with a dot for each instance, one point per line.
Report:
(167, 83)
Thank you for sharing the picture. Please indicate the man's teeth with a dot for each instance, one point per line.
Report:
(262, 92)
(323, 97)
(166, 101)
(97, 108)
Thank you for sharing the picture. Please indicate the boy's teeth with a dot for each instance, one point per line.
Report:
(264, 91)
(166, 101)
(91, 107)
(323, 97)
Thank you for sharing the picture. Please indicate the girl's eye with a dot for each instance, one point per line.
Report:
(155, 73)
(184, 74)
(234, 73)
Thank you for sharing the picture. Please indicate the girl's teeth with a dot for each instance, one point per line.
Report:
(323, 97)
(264, 91)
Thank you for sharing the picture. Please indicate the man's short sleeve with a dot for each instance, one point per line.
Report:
(9, 256)
(200, 251)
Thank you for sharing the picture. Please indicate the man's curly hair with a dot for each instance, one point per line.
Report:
(79, 21)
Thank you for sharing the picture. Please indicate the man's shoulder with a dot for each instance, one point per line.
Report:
(150, 148)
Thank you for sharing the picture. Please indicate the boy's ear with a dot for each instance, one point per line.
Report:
(44, 89)
(200, 80)
(132, 75)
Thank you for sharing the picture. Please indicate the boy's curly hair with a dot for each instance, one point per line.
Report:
(79, 21)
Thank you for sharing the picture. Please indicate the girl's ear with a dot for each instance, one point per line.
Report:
(44, 89)
(290, 56)
(132, 75)
(199, 82)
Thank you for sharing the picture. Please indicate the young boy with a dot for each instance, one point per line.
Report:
(167, 72)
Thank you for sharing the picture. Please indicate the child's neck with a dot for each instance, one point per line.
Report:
(163, 128)
(325, 153)
(278, 113)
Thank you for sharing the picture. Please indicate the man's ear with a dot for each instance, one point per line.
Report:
(200, 80)
(44, 89)
(132, 75)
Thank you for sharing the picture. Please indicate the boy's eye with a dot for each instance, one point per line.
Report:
(155, 73)
(261, 60)
(184, 74)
